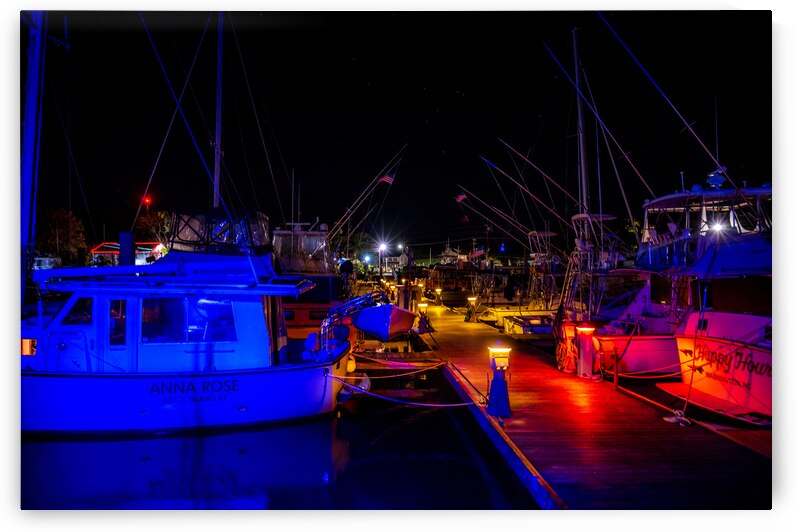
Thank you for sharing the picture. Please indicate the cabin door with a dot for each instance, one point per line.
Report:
(118, 335)
(71, 344)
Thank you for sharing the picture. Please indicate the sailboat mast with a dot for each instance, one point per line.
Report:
(584, 183)
(217, 143)
(31, 136)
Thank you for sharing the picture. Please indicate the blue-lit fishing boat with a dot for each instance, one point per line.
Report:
(196, 340)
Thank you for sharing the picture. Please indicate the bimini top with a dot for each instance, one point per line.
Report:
(698, 197)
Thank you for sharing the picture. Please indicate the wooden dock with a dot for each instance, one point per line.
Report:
(581, 444)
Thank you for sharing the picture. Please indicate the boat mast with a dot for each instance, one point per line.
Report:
(217, 142)
(31, 137)
(582, 173)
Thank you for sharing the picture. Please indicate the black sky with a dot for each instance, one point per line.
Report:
(337, 95)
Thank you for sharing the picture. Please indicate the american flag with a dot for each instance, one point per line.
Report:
(387, 179)
(460, 198)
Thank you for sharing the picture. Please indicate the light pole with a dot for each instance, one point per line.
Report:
(382, 247)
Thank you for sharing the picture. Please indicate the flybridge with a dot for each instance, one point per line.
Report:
(179, 271)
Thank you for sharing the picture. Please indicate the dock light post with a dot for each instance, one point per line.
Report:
(423, 323)
(498, 403)
(439, 295)
(585, 344)
(382, 247)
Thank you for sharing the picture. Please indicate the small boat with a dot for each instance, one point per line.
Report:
(536, 326)
(195, 340)
(385, 322)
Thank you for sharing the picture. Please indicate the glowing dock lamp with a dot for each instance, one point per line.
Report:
(439, 295)
(498, 404)
(423, 307)
(585, 344)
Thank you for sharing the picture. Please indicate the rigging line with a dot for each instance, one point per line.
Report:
(522, 172)
(210, 135)
(506, 217)
(257, 120)
(503, 194)
(384, 199)
(600, 120)
(541, 172)
(171, 124)
(644, 70)
(268, 120)
(520, 242)
(616, 171)
(182, 114)
(364, 194)
(552, 211)
(72, 162)
(246, 157)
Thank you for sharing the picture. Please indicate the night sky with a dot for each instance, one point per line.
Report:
(332, 97)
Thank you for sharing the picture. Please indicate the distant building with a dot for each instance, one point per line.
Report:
(108, 253)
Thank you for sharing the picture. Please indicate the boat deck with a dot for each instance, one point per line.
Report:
(582, 444)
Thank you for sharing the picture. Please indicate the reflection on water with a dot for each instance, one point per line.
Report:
(375, 455)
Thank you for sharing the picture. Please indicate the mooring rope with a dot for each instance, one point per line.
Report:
(421, 370)
(410, 403)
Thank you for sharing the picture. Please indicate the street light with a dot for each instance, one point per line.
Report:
(382, 247)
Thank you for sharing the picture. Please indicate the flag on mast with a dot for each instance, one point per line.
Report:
(387, 179)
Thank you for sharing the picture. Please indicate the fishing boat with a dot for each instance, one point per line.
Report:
(304, 254)
(725, 347)
(195, 340)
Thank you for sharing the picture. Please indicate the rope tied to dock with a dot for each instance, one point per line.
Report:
(410, 403)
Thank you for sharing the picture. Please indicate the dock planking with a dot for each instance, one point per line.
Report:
(598, 448)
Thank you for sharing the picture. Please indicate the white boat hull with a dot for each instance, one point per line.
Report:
(165, 402)
(737, 373)
(532, 326)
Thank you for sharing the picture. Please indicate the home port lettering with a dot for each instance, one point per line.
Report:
(195, 391)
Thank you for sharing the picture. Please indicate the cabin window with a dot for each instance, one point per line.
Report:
(193, 319)
(290, 315)
(80, 313)
(210, 320)
(163, 320)
(318, 314)
(117, 325)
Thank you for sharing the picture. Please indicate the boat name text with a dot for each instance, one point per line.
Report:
(738, 361)
(192, 387)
